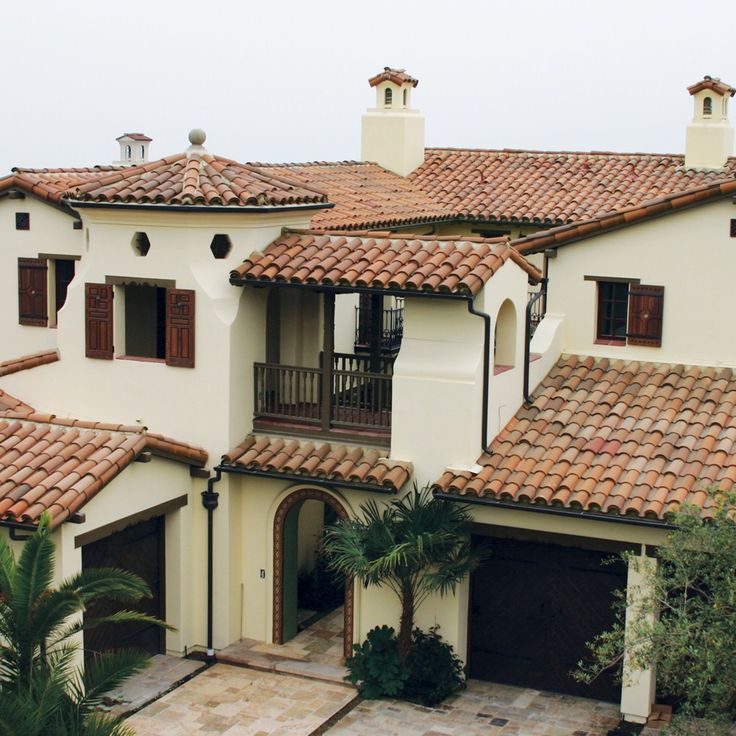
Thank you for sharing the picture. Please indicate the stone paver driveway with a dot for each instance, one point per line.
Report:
(484, 708)
(242, 702)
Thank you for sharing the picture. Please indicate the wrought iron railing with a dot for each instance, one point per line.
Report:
(392, 327)
(537, 312)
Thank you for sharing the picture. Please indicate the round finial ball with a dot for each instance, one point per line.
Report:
(197, 136)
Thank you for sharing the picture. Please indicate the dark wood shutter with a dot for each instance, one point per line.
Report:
(180, 328)
(646, 309)
(98, 320)
(32, 292)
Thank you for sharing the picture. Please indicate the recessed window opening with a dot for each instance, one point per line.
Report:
(128, 152)
(406, 97)
(613, 302)
(141, 244)
(145, 321)
(388, 97)
(22, 220)
(733, 228)
(143, 152)
(707, 106)
(63, 275)
(221, 246)
(505, 337)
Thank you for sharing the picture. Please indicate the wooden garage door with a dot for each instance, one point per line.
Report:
(140, 549)
(533, 607)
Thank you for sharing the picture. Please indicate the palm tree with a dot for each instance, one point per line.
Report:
(416, 545)
(42, 689)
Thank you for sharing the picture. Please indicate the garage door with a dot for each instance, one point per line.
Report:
(533, 607)
(140, 549)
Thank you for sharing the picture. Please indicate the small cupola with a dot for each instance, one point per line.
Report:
(709, 138)
(393, 133)
(133, 149)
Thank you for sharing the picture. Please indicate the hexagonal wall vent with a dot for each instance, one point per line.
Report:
(221, 246)
(141, 244)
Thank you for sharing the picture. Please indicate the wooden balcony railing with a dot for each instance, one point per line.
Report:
(359, 399)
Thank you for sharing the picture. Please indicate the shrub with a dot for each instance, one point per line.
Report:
(375, 667)
(434, 670)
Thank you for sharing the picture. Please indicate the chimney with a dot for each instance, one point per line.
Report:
(393, 133)
(133, 149)
(709, 137)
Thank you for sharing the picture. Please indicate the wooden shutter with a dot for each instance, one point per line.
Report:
(32, 292)
(98, 320)
(646, 308)
(180, 328)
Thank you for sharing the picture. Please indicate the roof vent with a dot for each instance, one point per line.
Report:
(133, 149)
(709, 138)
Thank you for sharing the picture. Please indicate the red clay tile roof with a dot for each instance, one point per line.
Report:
(28, 361)
(10, 402)
(57, 465)
(397, 76)
(336, 463)
(601, 436)
(365, 196)
(712, 83)
(548, 188)
(557, 236)
(196, 179)
(50, 184)
(134, 136)
(380, 261)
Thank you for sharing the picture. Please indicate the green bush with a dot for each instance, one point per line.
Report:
(434, 670)
(375, 667)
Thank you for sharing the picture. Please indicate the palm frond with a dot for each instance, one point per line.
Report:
(107, 671)
(102, 725)
(110, 582)
(7, 569)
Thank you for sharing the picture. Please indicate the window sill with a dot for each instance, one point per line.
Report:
(140, 358)
(620, 343)
(501, 369)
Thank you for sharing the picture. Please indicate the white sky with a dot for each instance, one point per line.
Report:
(286, 80)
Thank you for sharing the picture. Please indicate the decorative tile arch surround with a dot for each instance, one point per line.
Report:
(305, 494)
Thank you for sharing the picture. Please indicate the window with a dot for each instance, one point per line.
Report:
(143, 152)
(406, 96)
(22, 220)
(733, 228)
(128, 153)
(155, 322)
(388, 97)
(42, 289)
(630, 313)
(504, 353)
(707, 106)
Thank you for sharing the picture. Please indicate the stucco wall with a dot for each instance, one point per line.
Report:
(689, 253)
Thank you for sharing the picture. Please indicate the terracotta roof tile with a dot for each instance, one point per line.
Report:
(554, 188)
(50, 184)
(640, 460)
(337, 463)
(196, 179)
(397, 76)
(28, 361)
(365, 195)
(714, 84)
(57, 467)
(380, 261)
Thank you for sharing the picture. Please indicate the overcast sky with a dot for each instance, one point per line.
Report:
(287, 80)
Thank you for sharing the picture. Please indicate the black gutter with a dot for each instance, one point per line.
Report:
(590, 516)
(294, 477)
(209, 501)
(264, 209)
(528, 337)
(486, 370)
(19, 525)
(404, 293)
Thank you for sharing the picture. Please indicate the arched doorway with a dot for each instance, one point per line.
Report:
(285, 565)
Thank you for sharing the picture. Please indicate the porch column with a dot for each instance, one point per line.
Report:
(639, 685)
(328, 357)
(376, 332)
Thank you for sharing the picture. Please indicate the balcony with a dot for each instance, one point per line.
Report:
(391, 321)
(351, 398)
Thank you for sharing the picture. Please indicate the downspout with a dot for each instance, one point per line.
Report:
(209, 501)
(486, 370)
(542, 293)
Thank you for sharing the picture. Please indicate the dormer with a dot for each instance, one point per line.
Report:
(709, 139)
(393, 133)
(133, 149)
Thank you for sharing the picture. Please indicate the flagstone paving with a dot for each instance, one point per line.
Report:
(483, 708)
(235, 701)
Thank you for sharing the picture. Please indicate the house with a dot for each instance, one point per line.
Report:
(317, 335)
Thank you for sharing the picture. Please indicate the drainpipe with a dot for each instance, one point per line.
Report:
(486, 370)
(209, 501)
(542, 293)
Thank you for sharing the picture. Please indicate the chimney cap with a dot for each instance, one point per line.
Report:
(134, 137)
(712, 83)
(397, 76)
